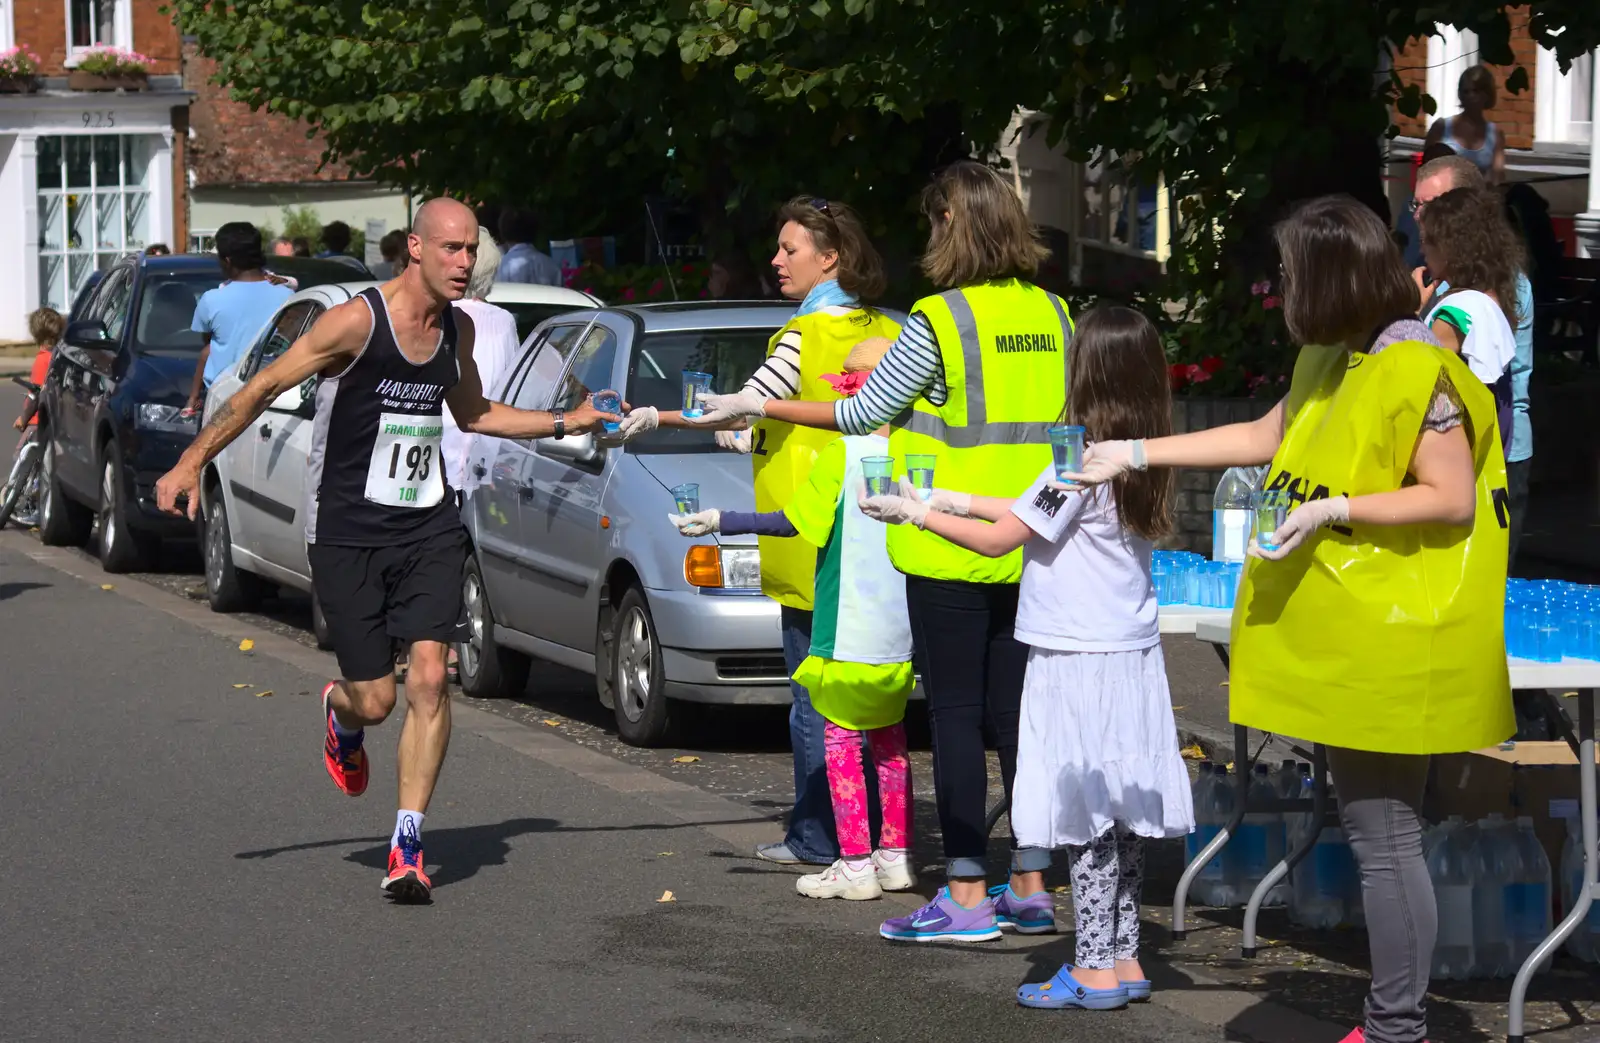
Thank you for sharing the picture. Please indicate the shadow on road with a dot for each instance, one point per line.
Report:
(11, 590)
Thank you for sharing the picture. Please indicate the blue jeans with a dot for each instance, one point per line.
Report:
(811, 833)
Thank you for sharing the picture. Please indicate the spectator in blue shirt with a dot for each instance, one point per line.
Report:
(335, 240)
(229, 317)
(522, 261)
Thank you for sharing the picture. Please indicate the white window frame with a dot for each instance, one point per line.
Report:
(121, 28)
(1451, 52)
(95, 196)
(1553, 97)
(8, 33)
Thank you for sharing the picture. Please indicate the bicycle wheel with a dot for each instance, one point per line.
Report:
(23, 473)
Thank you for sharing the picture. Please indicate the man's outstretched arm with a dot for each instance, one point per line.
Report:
(337, 335)
(475, 412)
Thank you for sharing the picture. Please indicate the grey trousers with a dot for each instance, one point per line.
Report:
(1380, 804)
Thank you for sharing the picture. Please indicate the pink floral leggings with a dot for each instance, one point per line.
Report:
(848, 783)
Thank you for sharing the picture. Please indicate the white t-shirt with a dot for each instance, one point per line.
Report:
(494, 346)
(1086, 583)
(1488, 344)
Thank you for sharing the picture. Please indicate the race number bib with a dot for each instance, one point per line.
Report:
(406, 470)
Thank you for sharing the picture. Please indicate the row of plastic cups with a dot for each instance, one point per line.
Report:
(1209, 584)
(1548, 633)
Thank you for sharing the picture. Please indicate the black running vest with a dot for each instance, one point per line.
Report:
(375, 474)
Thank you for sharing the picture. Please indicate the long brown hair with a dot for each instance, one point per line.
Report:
(981, 230)
(1117, 387)
(835, 228)
(1343, 276)
(1468, 228)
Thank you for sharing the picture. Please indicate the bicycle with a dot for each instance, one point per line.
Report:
(21, 489)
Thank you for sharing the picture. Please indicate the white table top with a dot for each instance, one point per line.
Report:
(1182, 619)
(1525, 673)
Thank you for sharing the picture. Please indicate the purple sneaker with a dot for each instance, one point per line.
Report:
(944, 920)
(1035, 914)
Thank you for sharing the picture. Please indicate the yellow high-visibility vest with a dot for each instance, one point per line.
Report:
(1004, 347)
(782, 454)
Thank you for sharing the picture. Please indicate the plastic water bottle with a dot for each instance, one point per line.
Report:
(1319, 880)
(1435, 834)
(1261, 837)
(1219, 879)
(1585, 941)
(1204, 827)
(1231, 515)
(1287, 779)
(1452, 866)
(1527, 897)
(1495, 851)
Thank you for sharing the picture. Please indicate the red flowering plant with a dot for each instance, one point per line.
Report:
(640, 283)
(1231, 345)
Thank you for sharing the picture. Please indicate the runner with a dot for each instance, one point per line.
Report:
(385, 540)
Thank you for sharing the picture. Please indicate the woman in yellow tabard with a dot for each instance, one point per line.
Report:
(1375, 625)
(826, 262)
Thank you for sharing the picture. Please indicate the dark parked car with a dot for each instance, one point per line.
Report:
(110, 410)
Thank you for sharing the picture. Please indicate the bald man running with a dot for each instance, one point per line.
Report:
(385, 541)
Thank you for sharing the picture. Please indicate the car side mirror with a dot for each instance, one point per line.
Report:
(579, 449)
(87, 333)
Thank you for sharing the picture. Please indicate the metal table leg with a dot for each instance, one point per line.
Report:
(1587, 893)
(1319, 812)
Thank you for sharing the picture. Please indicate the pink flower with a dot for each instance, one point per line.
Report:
(845, 383)
(1196, 374)
(628, 294)
(1258, 288)
(1270, 303)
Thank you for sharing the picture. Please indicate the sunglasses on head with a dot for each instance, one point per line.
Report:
(820, 205)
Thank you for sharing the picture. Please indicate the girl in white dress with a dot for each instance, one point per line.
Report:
(1098, 766)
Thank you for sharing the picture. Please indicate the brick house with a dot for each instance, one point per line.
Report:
(86, 174)
(250, 165)
(1548, 126)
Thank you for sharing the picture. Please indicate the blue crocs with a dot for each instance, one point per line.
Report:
(1138, 991)
(1063, 991)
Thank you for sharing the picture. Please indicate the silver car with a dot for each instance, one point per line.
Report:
(574, 558)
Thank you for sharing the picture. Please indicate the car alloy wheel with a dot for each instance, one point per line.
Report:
(633, 663)
(471, 650)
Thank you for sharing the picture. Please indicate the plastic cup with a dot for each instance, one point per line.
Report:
(1271, 507)
(688, 497)
(919, 469)
(1066, 445)
(608, 402)
(696, 385)
(879, 471)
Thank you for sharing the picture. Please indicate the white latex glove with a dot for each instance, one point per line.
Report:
(1302, 522)
(736, 441)
(701, 523)
(893, 509)
(1104, 461)
(719, 409)
(946, 502)
(640, 421)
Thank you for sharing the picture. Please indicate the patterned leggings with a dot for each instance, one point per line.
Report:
(848, 784)
(1107, 876)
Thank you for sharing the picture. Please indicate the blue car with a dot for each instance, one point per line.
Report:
(110, 411)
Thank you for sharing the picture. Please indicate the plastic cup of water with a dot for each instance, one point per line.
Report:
(1271, 507)
(1066, 445)
(608, 402)
(688, 497)
(696, 385)
(879, 472)
(919, 469)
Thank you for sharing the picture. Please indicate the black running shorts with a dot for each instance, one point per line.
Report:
(375, 596)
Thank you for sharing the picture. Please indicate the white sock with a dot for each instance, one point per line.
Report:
(857, 863)
(339, 727)
(407, 822)
(892, 854)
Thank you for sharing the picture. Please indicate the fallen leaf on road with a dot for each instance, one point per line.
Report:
(244, 686)
(246, 645)
(684, 760)
(1063, 889)
(551, 724)
(666, 896)
(1223, 685)
(1180, 707)
(1193, 753)
(663, 854)
(263, 695)
(107, 586)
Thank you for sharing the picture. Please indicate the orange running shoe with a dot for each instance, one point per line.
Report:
(408, 882)
(344, 758)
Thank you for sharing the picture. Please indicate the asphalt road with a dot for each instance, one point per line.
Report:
(181, 868)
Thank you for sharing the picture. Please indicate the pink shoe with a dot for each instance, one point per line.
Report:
(1359, 1035)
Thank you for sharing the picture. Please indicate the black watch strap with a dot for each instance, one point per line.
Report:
(560, 418)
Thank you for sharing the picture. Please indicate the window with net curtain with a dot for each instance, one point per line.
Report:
(91, 21)
(94, 206)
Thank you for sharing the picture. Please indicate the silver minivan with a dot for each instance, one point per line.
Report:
(574, 559)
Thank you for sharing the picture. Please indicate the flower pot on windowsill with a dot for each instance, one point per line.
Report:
(79, 80)
(18, 84)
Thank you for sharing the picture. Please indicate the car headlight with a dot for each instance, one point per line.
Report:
(741, 567)
(153, 417)
(708, 565)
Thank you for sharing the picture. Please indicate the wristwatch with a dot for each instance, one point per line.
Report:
(560, 417)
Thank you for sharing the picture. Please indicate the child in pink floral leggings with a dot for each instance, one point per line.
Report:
(859, 671)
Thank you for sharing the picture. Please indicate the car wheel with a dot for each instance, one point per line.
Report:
(122, 548)
(228, 587)
(62, 522)
(487, 669)
(319, 624)
(644, 713)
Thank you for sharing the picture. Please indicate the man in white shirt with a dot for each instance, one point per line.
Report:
(523, 262)
(495, 346)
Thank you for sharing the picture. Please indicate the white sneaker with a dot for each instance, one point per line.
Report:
(896, 875)
(840, 881)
